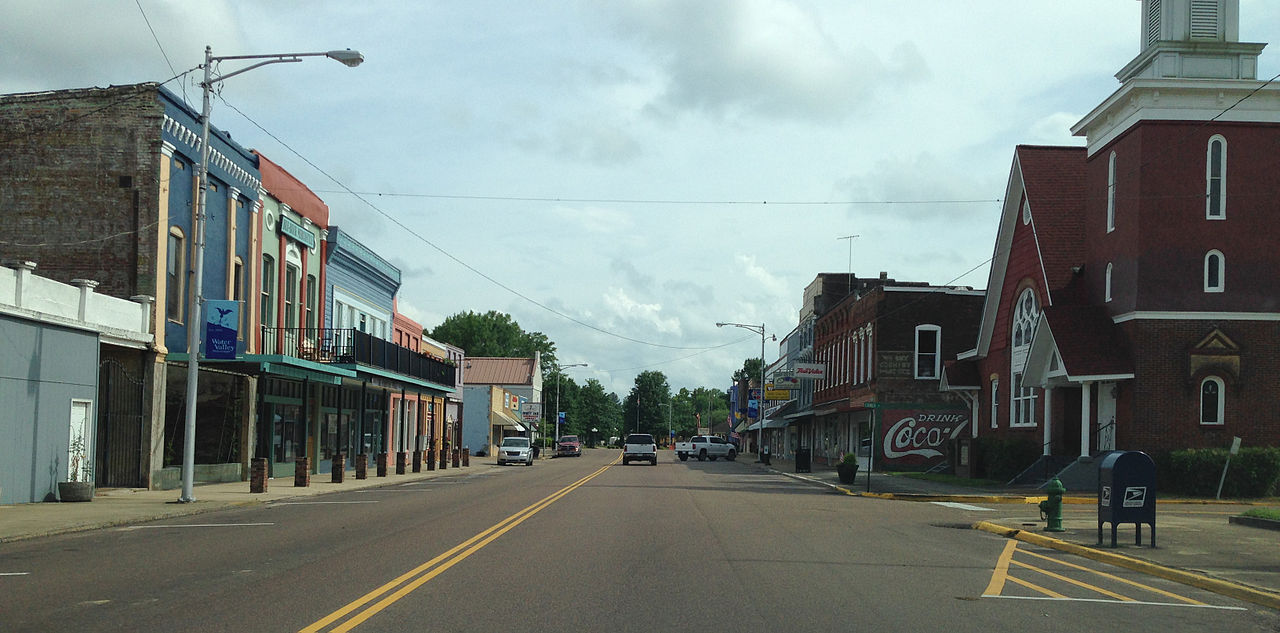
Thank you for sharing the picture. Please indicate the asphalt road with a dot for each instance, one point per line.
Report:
(585, 544)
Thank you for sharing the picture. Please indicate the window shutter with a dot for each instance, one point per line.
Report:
(1153, 22)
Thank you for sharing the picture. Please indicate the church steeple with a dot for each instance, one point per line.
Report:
(1192, 39)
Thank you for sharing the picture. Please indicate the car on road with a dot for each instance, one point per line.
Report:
(706, 447)
(515, 450)
(568, 446)
(640, 447)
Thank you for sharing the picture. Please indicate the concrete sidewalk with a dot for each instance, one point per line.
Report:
(1196, 544)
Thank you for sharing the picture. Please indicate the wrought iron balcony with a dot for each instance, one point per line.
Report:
(351, 346)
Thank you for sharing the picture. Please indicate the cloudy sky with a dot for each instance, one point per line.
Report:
(622, 175)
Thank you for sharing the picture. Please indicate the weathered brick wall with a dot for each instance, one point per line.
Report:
(79, 169)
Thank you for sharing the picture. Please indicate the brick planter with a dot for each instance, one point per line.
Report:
(382, 464)
(362, 466)
(417, 461)
(258, 475)
(339, 470)
(444, 459)
(402, 462)
(466, 457)
(457, 457)
(431, 459)
(302, 472)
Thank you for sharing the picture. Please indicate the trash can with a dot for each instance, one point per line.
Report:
(803, 458)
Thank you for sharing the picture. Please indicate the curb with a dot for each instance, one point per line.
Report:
(1256, 522)
(1221, 587)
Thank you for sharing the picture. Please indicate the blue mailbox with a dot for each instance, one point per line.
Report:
(1127, 493)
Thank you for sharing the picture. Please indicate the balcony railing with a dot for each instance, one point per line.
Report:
(348, 345)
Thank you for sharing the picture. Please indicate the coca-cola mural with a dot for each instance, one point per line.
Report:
(915, 438)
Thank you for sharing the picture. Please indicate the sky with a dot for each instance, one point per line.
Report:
(623, 175)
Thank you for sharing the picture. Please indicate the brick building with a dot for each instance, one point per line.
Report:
(1133, 299)
(98, 185)
(882, 347)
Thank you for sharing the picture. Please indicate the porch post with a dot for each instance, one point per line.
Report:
(1085, 388)
(1048, 420)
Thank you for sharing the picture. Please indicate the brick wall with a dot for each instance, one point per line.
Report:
(81, 187)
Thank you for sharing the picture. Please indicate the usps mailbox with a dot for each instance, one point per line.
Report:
(1127, 493)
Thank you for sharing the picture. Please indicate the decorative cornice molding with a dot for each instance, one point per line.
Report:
(191, 139)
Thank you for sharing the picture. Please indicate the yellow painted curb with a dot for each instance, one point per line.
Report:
(1221, 587)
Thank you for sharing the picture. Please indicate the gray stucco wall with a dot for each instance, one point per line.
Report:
(42, 369)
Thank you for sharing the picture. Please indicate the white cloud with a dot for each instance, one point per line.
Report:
(628, 311)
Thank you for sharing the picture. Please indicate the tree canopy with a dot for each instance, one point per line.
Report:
(494, 334)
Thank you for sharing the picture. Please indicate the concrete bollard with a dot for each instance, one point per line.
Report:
(382, 464)
(301, 472)
(431, 459)
(417, 461)
(339, 470)
(258, 475)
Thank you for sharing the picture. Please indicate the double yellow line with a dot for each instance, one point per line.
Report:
(422, 574)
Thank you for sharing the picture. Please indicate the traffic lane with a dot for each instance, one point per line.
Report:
(234, 569)
(669, 548)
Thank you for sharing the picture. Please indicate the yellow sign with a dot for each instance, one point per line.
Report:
(776, 394)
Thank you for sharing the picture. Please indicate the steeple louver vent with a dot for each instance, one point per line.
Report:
(1153, 22)
(1204, 20)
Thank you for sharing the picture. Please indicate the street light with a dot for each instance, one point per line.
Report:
(559, 368)
(758, 329)
(195, 320)
(668, 406)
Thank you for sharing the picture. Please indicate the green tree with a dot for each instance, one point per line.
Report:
(494, 334)
(750, 370)
(644, 408)
(596, 409)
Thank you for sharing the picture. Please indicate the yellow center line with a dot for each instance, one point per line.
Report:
(1104, 574)
(1001, 572)
(1073, 581)
(423, 573)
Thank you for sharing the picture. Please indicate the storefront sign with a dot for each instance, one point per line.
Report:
(772, 393)
(915, 437)
(297, 232)
(811, 371)
(531, 411)
(222, 320)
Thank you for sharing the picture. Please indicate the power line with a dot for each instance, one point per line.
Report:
(449, 255)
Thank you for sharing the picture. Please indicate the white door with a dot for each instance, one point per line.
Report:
(1107, 416)
(80, 447)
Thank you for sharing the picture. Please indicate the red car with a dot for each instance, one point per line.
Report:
(568, 446)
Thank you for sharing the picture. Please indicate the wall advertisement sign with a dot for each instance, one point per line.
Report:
(222, 319)
(912, 438)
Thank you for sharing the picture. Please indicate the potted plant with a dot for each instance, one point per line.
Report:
(80, 484)
(847, 468)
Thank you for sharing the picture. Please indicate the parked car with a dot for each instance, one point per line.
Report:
(706, 447)
(515, 450)
(568, 446)
(640, 447)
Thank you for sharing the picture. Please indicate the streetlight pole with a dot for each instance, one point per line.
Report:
(195, 320)
(559, 368)
(759, 329)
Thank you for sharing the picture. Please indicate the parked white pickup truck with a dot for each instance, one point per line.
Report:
(706, 447)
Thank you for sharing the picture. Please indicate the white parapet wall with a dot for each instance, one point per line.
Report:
(118, 321)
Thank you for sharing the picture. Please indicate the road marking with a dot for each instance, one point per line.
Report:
(1132, 603)
(15, 573)
(1134, 583)
(1073, 581)
(413, 579)
(193, 525)
(962, 506)
(318, 503)
(1037, 588)
(1001, 572)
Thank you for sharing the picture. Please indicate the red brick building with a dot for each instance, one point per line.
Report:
(1134, 300)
